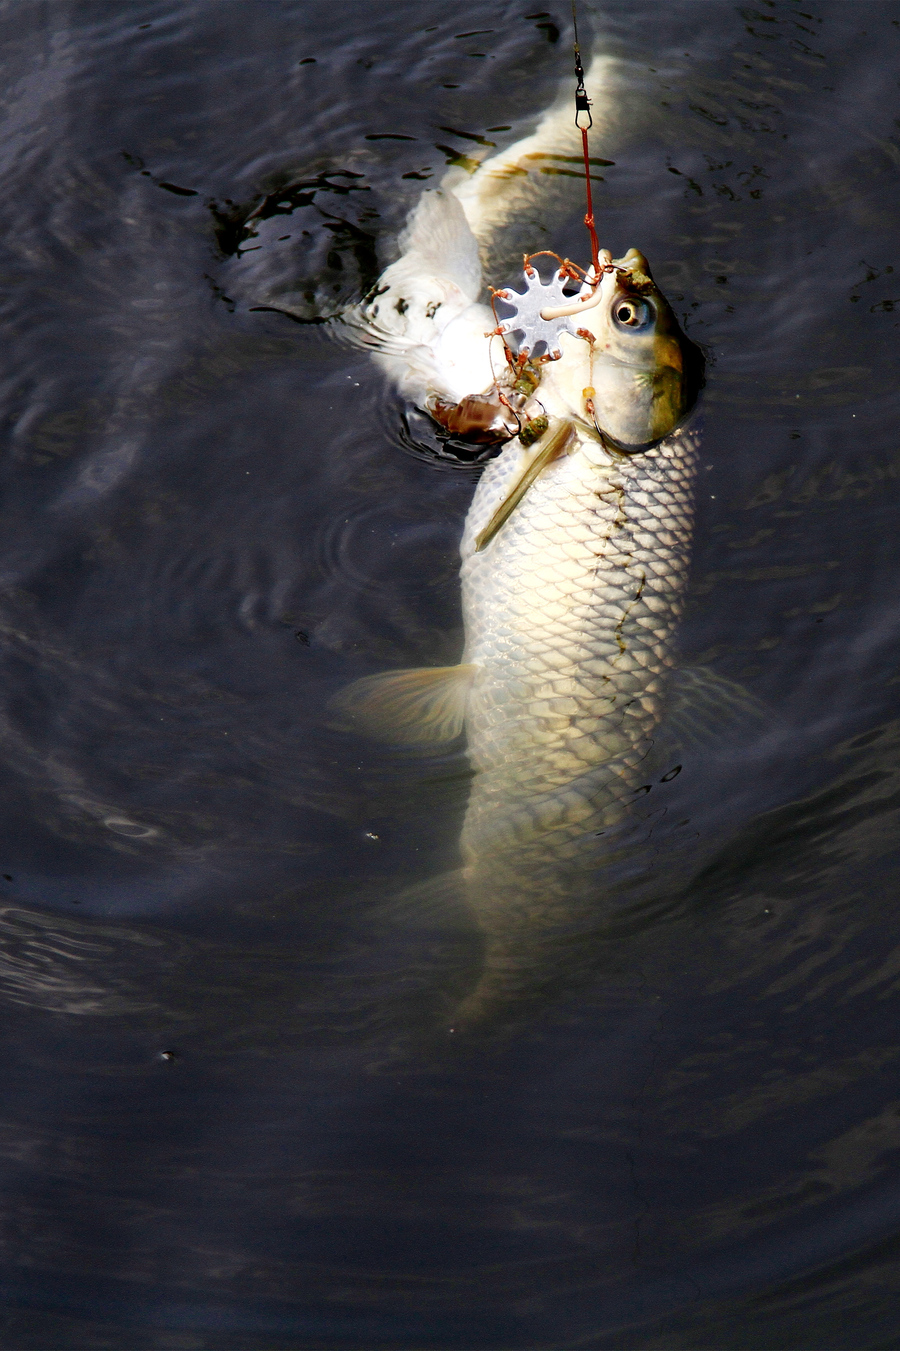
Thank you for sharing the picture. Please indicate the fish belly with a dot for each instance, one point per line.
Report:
(570, 618)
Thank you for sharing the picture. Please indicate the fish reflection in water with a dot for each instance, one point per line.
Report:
(575, 554)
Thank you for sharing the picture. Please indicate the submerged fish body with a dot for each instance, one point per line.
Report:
(574, 561)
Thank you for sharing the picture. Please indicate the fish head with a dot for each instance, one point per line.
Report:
(645, 374)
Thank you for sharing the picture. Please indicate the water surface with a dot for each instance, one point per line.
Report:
(233, 1115)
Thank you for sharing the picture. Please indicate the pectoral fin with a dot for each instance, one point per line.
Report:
(705, 706)
(551, 445)
(426, 705)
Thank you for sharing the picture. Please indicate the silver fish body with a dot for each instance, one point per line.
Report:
(570, 618)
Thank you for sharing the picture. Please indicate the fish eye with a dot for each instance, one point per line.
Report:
(632, 312)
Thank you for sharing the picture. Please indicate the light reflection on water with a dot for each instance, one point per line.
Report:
(211, 520)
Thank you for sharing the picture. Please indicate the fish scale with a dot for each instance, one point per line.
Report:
(570, 615)
(570, 618)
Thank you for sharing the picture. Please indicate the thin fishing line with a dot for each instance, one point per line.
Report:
(582, 111)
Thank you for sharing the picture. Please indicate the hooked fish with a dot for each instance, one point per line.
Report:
(575, 555)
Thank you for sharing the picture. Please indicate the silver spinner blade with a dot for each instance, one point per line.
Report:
(526, 320)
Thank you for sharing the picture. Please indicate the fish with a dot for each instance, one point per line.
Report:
(574, 563)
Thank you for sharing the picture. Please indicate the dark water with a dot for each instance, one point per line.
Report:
(232, 1116)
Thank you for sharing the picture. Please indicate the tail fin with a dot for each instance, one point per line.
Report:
(439, 240)
(497, 197)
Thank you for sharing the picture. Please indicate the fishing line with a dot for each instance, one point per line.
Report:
(582, 111)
